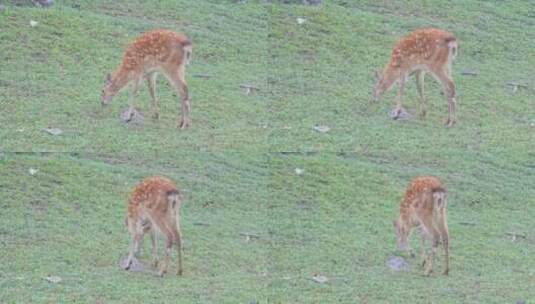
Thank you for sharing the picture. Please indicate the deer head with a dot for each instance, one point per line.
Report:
(384, 81)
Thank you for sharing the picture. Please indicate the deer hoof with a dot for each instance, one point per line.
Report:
(127, 267)
(396, 114)
(450, 122)
(184, 124)
(399, 113)
(126, 264)
(179, 272)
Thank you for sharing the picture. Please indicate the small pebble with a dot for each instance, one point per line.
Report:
(320, 279)
(53, 279)
(400, 115)
(132, 115)
(54, 131)
(322, 129)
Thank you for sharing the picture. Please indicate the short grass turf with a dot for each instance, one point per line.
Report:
(236, 164)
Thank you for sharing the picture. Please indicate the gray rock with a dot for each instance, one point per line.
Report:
(135, 265)
(132, 115)
(400, 114)
(397, 263)
(43, 3)
(312, 2)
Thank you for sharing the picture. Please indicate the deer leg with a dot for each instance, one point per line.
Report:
(420, 75)
(177, 79)
(177, 238)
(399, 97)
(151, 83)
(167, 257)
(428, 230)
(137, 236)
(446, 244)
(422, 250)
(133, 93)
(431, 257)
(178, 241)
(451, 106)
(185, 105)
(154, 248)
(448, 69)
(445, 237)
(449, 90)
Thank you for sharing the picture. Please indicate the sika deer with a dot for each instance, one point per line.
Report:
(158, 51)
(424, 50)
(424, 205)
(154, 204)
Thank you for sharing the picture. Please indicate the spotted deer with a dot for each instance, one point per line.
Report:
(424, 205)
(422, 51)
(154, 206)
(157, 51)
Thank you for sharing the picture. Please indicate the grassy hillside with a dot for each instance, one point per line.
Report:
(236, 164)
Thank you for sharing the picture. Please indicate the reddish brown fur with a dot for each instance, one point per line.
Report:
(158, 51)
(424, 50)
(154, 204)
(424, 205)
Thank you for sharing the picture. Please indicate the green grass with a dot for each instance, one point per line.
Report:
(236, 163)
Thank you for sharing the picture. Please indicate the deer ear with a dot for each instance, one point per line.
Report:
(377, 75)
(108, 78)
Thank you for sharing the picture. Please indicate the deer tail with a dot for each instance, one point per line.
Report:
(451, 42)
(440, 198)
(174, 197)
(187, 48)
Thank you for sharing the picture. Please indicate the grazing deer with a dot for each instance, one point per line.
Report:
(424, 50)
(154, 205)
(158, 51)
(424, 205)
